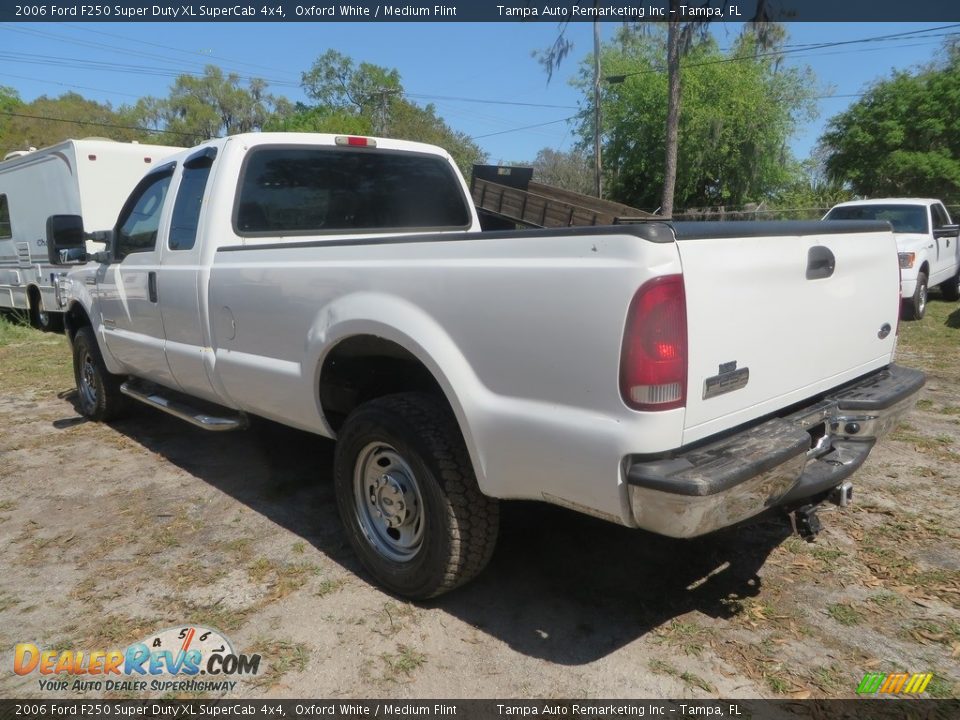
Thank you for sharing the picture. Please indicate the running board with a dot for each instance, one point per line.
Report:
(184, 411)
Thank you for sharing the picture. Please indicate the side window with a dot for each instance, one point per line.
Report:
(140, 218)
(5, 230)
(186, 209)
(940, 218)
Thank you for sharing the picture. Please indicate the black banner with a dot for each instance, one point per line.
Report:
(481, 11)
(860, 709)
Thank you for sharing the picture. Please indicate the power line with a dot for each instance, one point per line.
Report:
(525, 127)
(488, 101)
(94, 123)
(781, 53)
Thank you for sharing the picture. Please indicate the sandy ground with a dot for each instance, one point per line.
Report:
(110, 533)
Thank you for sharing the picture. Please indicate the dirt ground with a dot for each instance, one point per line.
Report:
(109, 533)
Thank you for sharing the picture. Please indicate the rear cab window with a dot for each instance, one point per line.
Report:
(903, 218)
(287, 190)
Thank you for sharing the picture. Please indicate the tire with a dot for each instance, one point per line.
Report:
(951, 288)
(41, 319)
(409, 499)
(916, 307)
(98, 390)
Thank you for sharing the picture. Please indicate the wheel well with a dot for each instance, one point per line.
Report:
(34, 298)
(365, 367)
(74, 319)
(925, 269)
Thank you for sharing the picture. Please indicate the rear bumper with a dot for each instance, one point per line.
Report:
(780, 462)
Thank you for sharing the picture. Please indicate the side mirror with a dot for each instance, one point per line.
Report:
(947, 231)
(66, 242)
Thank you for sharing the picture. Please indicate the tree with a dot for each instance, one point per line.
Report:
(568, 170)
(212, 105)
(46, 121)
(739, 111)
(368, 99)
(903, 136)
(681, 38)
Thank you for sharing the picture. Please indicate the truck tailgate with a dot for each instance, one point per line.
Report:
(780, 312)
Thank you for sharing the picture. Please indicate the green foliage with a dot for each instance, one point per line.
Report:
(809, 195)
(903, 136)
(213, 105)
(320, 120)
(735, 122)
(368, 99)
(572, 170)
(72, 116)
(334, 82)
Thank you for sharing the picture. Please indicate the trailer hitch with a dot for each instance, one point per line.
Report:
(806, 523)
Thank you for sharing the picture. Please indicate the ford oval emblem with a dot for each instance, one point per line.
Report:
(884, 331)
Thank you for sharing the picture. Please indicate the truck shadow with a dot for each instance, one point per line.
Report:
(562, 586)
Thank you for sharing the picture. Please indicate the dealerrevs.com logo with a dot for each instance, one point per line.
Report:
(894, 683)
(180, 659)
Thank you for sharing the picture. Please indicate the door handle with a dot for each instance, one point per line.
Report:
(820, 262)
(152, 286)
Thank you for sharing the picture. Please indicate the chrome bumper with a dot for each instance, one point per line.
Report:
(779, 462)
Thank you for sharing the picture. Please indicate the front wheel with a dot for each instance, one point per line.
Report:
(916, 306)
(98, 390)
(408, 496)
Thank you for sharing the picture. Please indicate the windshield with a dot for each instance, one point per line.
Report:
(904, 218)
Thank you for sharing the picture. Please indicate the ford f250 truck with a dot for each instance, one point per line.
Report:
(677, 377)
(927, 243)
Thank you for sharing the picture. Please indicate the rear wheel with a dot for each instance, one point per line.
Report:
(951, 288)
(98, 390)
(916, 306)
(408, 496)
(40, 318)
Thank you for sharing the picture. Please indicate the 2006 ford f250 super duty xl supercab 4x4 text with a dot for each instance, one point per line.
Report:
(677, 377)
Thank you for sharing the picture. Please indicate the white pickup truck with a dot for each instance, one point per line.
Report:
(677, 377)
(927, 245)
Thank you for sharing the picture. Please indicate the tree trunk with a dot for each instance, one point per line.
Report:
(673, 118)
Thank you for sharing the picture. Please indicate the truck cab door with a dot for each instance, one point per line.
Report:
(183, 281)
(128, 287)
(947, 252)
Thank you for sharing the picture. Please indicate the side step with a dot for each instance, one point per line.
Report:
(182, 408)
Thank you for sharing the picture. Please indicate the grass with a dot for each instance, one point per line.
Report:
(845, 614)
(945, 632)
(688, 636)
(404, 662)
(942, 688)
(329, 586)
(34, 360)
(279, 657)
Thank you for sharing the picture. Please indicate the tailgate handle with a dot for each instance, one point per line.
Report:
(820, 262)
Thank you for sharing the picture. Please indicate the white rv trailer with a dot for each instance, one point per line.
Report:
(91, 178)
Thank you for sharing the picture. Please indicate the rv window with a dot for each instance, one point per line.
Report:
(5, 231)
(140, 218)
(186, 210)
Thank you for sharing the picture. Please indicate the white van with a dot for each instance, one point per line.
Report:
(91, 178)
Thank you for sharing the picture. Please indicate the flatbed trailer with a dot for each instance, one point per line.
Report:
(507, 196)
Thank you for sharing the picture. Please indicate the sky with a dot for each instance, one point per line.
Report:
(481, 77)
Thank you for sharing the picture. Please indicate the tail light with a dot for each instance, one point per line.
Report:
(653, 360)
